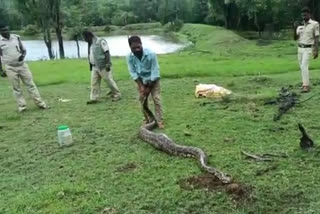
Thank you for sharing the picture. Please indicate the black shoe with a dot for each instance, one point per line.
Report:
(305, 89)
(22, 110)
(116, 98)
(92, 102)
(44, 107)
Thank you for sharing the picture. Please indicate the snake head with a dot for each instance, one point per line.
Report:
(225, 178)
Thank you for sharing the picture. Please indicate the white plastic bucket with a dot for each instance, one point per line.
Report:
(64, 136)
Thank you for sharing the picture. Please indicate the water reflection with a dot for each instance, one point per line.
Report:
(36, 49)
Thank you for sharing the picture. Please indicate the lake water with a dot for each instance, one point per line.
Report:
(37, 50)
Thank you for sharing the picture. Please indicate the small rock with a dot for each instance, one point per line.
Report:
(187, 134)
(108, 210)
(60, 194)
(228, 140)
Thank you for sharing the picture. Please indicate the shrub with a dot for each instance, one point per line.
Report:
(176, 25)
(30, 30)
(142, 26)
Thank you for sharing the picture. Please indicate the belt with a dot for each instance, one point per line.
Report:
(304, 46)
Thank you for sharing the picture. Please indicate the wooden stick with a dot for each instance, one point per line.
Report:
(256, 157)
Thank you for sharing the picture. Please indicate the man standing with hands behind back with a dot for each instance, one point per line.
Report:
(308, 42)
(144, 69)
(12, 53)
(100, 67)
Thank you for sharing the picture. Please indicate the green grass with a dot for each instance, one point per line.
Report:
(36, 176)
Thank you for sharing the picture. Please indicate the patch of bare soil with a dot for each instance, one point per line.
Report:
(211, 183)
(127, 167)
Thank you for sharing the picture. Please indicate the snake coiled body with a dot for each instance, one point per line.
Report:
(163, 143)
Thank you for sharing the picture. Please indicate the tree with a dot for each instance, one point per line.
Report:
(39, 11)
(9, 15)
(200, 10)
(91, 13)
(56, 16)
(76, 34)
(315, 8)
(75, 22)
(145, 13)
(167, 11)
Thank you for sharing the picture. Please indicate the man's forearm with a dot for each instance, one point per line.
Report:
(2, 72)
(139, 82)
(1, 69)
(108, 58)
(152, 83)
(24, 53)
(22, 48)
(316, 44)
(295, 36)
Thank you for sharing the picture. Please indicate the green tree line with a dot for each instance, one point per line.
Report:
(233, 14)
(55, 15)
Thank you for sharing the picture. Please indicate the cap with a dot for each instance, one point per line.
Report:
(63, 127)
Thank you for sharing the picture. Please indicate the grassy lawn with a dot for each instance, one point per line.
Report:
(109, 170)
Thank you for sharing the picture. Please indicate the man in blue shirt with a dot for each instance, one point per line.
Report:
(144, 69)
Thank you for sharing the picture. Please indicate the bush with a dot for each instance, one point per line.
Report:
(110, 28)
(75, 33)
(142, 26)
(30, 30)
(176, 25)
(123, 18)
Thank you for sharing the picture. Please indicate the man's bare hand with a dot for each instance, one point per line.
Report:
(144, 91)
(3, 74)
(21, 58)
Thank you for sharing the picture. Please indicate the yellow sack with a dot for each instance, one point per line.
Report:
(211, 90)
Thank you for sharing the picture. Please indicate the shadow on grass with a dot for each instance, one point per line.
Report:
(50, 83)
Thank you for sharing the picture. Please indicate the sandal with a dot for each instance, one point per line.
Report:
(305, 89)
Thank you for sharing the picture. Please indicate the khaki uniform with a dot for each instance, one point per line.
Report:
(99, 73)
(307, 35)
(11, 49)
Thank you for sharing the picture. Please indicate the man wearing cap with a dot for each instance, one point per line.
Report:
(307, 35)
(100, 67)
(12, 54)
(144, 69)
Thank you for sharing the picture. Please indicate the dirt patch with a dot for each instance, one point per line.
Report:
(260, 80)
(229, 140)
(127, 168)
(109, 210)
(209, 182)
(266, 170)
(277, 129)
(263, 42)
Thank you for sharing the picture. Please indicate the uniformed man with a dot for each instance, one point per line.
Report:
(144, 69)
(100, 67)
(12, 54)
(307, 35)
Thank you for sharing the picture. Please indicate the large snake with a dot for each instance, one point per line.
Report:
(163, 143)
